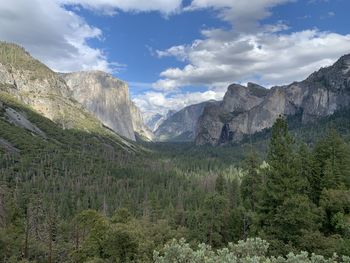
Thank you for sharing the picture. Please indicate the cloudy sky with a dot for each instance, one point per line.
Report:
(178, 52)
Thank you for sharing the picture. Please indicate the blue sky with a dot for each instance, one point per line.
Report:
(174, 53)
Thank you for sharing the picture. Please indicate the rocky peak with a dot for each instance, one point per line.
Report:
(335, 77)
(239, 98)
(138, 123)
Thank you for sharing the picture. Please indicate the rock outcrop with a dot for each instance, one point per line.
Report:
(182, 125)
(247, 110)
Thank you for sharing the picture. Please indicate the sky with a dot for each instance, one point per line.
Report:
(174, 53)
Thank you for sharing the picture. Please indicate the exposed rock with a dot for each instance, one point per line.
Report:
(105, 97)
(247, 110)
(153, 121)
(182, 125)
(138, 124)
(19, 119)
(237, 101)
(91, 102)
(35, 85)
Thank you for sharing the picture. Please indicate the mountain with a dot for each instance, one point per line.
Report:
(247, 110)
(92, 101)
(34, 84)
(153, 120)
(105, 97)
(181, 126)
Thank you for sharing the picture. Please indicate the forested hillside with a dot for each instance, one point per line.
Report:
(74, 196)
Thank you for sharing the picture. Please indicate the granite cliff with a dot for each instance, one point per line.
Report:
(105, 97)
(247, 110)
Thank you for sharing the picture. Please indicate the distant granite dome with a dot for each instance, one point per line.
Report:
(182, 125)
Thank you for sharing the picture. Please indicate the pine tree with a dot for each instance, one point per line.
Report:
(284, 199)
(251, 183)
(331, 164)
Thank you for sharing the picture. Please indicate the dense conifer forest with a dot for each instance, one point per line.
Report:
(82, 197)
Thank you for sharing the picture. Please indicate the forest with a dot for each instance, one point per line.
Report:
(282, 195)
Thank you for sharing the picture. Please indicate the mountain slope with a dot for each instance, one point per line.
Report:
(320, 95)
(181, 126)
(34, 84)
(24, 130)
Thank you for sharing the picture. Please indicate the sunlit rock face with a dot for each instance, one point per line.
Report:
(247, 110)
(106, 97)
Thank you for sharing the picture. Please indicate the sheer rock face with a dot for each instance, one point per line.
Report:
(106, 97)
(182, 125)
(139, 125)
(217, 118)
(247, 110)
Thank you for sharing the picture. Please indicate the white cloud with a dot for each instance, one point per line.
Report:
(59, 37)
(244, 15)
(267, 57)
(52, 34)
(158, 102)
(249, 51)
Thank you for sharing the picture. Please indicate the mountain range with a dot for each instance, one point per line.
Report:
(246, 110)
(97, 102)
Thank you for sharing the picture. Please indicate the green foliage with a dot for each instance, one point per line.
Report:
(86, 197)
(251, 250)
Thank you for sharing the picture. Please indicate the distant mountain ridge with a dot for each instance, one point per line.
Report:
(181, 125)
(247, 110)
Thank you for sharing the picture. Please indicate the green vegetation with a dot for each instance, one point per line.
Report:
(87, 197)
(14, 56)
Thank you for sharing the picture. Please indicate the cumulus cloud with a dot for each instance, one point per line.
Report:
(59, 37)
(269, 54)
(153, 102)
(52, 34)
(267, 57)
(249, 51)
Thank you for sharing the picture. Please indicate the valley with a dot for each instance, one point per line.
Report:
(83, 179)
